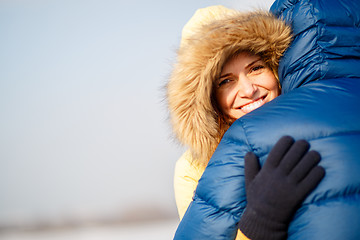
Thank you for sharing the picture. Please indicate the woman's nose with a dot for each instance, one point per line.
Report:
(246, 88)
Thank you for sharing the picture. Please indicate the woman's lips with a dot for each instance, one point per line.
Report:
(253, 105)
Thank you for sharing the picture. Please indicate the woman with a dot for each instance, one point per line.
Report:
(210, 38)
(320, 102)
(227, 67)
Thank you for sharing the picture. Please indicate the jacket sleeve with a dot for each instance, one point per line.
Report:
(220, 196)
(186, 179)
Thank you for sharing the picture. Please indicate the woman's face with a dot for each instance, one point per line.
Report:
(245, 84)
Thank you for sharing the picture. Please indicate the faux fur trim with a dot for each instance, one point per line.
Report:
(199, 62)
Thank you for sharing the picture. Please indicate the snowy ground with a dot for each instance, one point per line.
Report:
(161, 230)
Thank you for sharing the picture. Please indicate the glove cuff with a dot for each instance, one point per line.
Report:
(258, 227)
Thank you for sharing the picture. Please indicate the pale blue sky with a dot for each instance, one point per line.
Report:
(83, 129)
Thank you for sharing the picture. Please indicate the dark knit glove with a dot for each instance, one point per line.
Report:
(275, 191)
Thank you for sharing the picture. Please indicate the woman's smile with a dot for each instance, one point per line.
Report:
(248, 107)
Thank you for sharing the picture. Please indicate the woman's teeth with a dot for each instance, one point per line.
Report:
(251, 106)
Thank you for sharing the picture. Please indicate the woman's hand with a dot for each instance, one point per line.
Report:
(275, 191)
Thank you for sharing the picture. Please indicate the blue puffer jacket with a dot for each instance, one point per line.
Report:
(320, 77)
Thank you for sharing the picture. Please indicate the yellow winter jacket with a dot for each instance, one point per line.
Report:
(187, 175)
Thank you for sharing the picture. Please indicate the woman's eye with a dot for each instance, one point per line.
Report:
(223, 82)
(257, 68)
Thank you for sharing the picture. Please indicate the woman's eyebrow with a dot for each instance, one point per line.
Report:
(225, 75)
(252, 63)
(247, 66)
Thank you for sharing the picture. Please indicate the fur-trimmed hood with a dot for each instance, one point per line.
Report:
(201, 55)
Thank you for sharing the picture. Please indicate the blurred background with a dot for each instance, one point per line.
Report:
(86, 150)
